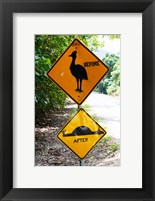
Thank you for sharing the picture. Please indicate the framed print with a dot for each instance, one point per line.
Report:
(42, 34)
(49, 152)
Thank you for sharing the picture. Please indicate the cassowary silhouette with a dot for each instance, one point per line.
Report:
(78, 71)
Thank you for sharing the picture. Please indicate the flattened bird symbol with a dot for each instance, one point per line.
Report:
(82, 130)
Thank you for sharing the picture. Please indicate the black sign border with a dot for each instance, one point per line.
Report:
(108, 69)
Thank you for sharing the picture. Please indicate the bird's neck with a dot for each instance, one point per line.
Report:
(72, 63)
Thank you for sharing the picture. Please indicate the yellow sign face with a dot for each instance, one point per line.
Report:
(81, 134)
(78, 71)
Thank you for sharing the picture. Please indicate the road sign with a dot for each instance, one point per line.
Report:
(78, 71)
(81, 134)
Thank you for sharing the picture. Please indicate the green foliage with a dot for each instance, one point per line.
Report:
(111, 83)
(114, 147)
(47, 94)
(114, 88)
(107, 138)
(48, 48)
(114, 36)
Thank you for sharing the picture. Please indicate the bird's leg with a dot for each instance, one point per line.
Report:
(80, 90)
(77, 80)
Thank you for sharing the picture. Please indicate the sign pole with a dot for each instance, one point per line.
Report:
(81, 162)
(79, 106)
(78, 71)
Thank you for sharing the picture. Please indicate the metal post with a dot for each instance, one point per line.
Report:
(79, 106)
(81, 161)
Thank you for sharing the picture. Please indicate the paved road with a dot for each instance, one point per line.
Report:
(107, 108)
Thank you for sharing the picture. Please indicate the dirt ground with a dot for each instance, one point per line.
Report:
(49, 151)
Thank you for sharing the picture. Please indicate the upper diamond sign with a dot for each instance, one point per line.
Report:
(78, 71)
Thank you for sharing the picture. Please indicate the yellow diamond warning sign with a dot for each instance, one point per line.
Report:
(81, 134)
(78, 71)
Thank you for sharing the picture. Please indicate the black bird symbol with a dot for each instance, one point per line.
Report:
(78, 71)
(82, 130)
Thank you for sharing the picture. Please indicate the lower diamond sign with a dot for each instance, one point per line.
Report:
(81, 134)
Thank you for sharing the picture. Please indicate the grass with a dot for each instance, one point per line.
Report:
(85, 107)
(96, 118)
(109, 141)
(107, 138)
(114, 147)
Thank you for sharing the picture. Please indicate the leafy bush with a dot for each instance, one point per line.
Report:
(114, 87)
(110, 84)
(47, 94)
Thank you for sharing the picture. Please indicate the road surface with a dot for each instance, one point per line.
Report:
(107, 108)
